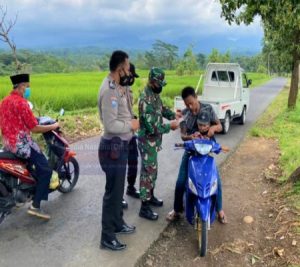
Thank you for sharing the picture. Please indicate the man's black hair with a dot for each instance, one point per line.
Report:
(187, 91)
(118, 57)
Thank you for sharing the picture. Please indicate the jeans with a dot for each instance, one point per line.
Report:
(42, 174)
(181, 185)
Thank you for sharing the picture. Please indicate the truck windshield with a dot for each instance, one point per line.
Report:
(222, 76)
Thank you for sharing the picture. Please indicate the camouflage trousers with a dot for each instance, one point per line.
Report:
(149, 167)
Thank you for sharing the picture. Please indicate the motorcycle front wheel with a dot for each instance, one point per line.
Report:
(3, 193)
(68, 174)
(202, 234)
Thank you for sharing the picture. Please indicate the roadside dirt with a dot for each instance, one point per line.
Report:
(250, 188)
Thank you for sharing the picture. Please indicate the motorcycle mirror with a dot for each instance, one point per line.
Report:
(30, 104)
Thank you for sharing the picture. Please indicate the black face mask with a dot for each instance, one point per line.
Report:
(204, 133)
(124, 80)
(131, 80)
(157, 90)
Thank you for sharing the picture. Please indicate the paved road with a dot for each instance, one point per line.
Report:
(71, 238)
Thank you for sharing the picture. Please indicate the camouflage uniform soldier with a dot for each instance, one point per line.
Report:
(152, 127)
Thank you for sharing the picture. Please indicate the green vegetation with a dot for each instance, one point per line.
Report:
(165, 55)
(257, 78)
(281, 32)
(283, 124)
(77, 94)
(71, 91)
(74, 91)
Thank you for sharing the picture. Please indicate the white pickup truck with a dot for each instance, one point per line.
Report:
(226, 89)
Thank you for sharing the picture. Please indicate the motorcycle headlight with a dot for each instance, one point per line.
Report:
(214, 187)
(203, 149)
(192, 187)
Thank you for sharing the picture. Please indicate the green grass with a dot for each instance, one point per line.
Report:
(257, 78)
(70, 91)
(283, 124)
(74, 91)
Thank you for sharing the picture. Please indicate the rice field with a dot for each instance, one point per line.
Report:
(74, 91)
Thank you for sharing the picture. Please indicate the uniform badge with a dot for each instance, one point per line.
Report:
(114, 102)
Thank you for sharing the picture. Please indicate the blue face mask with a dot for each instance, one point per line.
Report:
(27, 93)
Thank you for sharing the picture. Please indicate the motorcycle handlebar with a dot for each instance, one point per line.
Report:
(179, 145)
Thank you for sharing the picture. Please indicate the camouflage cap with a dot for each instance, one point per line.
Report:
(157, 74)
(203, 118)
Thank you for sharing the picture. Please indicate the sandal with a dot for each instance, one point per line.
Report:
(222, 218)
(172, 216)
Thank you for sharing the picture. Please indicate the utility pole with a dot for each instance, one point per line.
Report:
(269, 63)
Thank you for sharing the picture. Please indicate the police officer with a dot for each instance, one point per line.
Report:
(151, 114)
(119, 127)
(132, 148)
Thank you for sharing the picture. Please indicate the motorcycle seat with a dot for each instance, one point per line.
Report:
(7, 155)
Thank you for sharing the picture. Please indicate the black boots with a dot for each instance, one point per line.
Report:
(147, 213)
(155, 201)
(124, 204)
(131, 191)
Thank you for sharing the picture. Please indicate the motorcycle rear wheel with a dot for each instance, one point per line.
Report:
(68, 175)
(202, 235)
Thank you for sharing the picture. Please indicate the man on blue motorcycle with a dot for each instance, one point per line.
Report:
(200, 121)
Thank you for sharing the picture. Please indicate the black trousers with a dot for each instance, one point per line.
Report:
(113, 160)
(132, 161)
(42, 174)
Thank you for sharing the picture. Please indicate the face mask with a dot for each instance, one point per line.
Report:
(157, 90)
(27, 93)
(204, 133)
(131, 80)
(124, 80)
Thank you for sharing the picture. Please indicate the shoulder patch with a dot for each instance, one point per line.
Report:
(112, 85)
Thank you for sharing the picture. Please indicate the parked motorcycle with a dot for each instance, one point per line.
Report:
(17, 178)
(201, 187)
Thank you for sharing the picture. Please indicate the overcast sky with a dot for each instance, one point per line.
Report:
(136, 24)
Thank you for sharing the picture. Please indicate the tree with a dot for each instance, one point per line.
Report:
(162, 54)
(190, 60)
(201, 60)
(261, 69)
(216, 56)
(140, 61)
(281, 24)
(188, 64)
(150, 59)
(5, 28)
(102, 63)
(276, 62)
(250, 64)
(168, 53)
(225, 58)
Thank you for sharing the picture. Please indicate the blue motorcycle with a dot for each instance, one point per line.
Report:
(201, 187)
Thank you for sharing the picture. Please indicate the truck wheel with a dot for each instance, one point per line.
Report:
(226, 124)
(242, 119)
